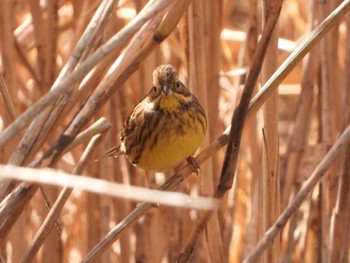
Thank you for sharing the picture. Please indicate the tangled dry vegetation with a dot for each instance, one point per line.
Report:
(71, 72)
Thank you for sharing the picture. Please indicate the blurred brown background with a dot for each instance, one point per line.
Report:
(212, 45)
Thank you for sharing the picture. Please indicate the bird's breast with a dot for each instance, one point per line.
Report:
(175, 137)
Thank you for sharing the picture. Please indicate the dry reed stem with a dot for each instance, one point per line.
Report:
(120, 174)
(100, 126)
(297, 139)
(55, 211)
(254, 105)
(253, 144)
(270, 181)
(48, 123)
(328, 133)
(153, 9)
(115, 43)
(142, 208)
(28, 189)
(101, 94)
(340, 220)
(37, 22)
(304, 46)
(119, 39)
(212, 244)
(100, 186)
(237, 124)
(309, 184)
(12, 206)
(296, 56)
(213, 24)
(149, 238)
(298, 135)
(42, 125)
(7, 100)
(26, 63)
(8, 44)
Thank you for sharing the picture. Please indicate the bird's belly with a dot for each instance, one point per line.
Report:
(171, 148)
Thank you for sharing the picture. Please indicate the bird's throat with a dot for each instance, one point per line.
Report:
(169, 103)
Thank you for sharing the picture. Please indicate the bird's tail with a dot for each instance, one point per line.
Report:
(114, 152)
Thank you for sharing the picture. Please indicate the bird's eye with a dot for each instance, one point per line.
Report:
(154, 89)
(178, 84)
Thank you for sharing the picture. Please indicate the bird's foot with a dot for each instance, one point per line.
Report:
(193, 164)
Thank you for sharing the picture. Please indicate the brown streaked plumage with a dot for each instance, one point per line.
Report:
(165, 127)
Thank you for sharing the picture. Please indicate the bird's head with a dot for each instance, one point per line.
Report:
(168, 92)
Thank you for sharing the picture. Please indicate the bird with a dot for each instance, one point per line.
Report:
(165, 128)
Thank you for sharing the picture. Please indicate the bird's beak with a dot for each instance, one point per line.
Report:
(166, 90)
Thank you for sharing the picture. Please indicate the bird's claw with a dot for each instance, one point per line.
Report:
(193, 164)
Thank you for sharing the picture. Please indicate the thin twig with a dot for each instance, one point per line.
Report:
(115, 43)
(216, 145)
(7, 99)
(311, 182)
(54, 213)
(237, 124)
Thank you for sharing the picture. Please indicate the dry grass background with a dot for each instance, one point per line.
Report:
(69, 66)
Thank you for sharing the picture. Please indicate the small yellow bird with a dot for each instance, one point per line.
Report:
(166, 126)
